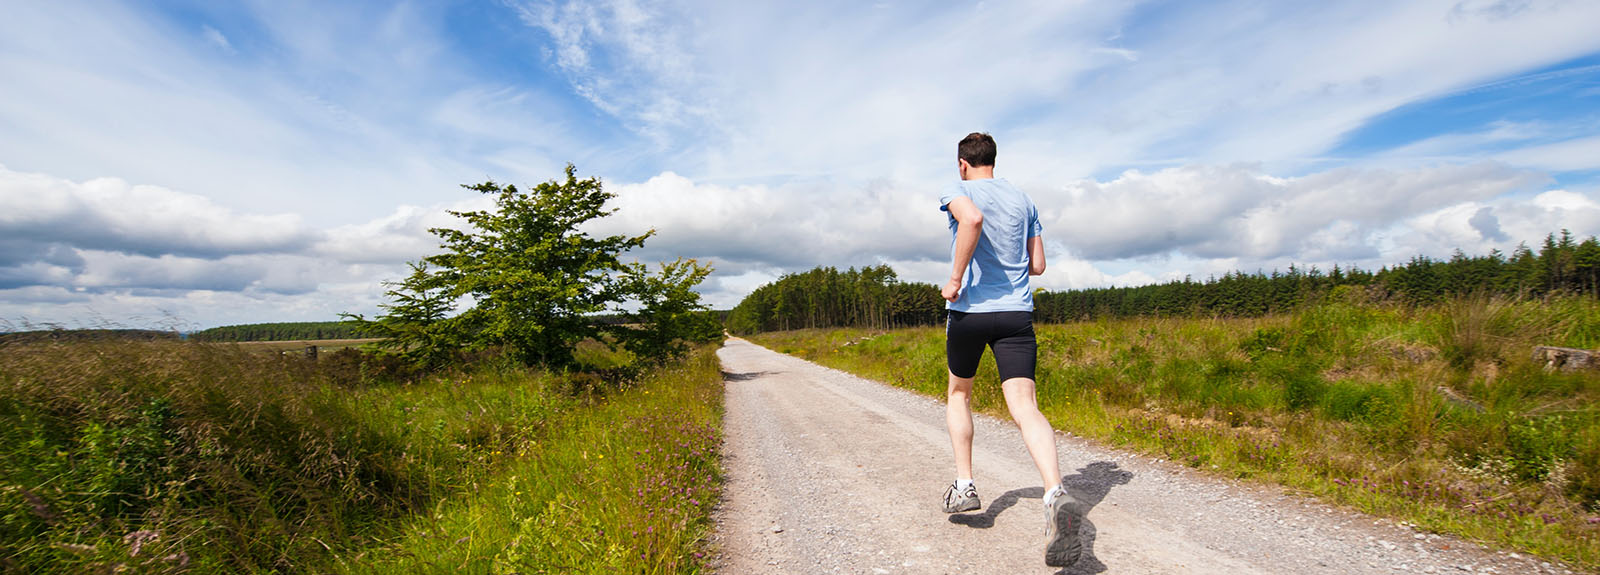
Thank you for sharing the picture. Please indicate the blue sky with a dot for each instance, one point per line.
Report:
(189, 164)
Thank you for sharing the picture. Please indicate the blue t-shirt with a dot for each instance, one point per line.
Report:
(997, 277)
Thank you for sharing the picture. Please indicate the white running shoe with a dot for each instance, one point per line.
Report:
(956, 501)
(1061, 530)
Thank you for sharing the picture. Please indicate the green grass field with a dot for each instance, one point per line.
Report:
(323, 345)
(168, 457)
(1437, 416)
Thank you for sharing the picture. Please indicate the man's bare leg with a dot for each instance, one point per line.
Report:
(958, 416)
(1063, 515)
(1036, 432)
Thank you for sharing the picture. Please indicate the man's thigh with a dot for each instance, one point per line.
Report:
(966, 334)
(1015, 348)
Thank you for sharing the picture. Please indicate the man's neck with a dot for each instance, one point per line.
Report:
(978, 173)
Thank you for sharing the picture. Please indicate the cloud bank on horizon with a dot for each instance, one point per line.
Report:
(209, 164)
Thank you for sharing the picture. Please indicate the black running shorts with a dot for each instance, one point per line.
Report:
(1008, 333)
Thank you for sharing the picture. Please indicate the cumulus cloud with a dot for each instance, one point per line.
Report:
(792, 226)
(65, 242)
(1138, 228)
(110, 214)
(1134, 229)
(1486, 224)
(399, 237)
(1234, 211)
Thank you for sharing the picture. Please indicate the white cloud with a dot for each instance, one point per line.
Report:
(1139, 228)
(110, 214)
(399, 237)
(1574, 155)
(1216, 212)
(1460, 145)
(792, 226)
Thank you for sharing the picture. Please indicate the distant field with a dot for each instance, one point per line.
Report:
(300, 344)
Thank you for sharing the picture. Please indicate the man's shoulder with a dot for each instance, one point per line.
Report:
(951, 191)
(1007, 185)
(1011, 191)
(994, 189)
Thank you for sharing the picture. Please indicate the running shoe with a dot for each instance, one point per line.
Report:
(956, 501)
(1061, 530)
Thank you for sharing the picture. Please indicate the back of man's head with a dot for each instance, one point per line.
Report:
(977, 149)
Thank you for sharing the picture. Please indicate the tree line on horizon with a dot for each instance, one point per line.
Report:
(282, 331)
(873, 297)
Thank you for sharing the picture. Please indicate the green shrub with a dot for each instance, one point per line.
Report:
(1264, 341)
(1537, 445)
(1361, 403)
(1303, 390)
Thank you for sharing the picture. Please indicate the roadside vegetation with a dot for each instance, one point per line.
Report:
(167, 457)
(1433, 414)
(493, 426)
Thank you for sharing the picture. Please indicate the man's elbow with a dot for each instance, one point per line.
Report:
(1036, 268)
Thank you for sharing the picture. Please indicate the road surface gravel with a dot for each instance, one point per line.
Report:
(830, 473)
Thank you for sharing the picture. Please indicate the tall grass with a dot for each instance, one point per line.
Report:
(625, 487)
(1437, 415)
(122, 456)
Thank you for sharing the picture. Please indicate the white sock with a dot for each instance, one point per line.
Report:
(963, 484)
(1050, 497)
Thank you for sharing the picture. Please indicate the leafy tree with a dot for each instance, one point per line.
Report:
(670, 311)
(537, 284)
(417, 325)
(532, 273)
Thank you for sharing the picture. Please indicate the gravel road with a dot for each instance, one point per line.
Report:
(831, 473)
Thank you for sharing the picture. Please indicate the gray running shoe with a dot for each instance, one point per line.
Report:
(963, 500)
(1061, 530)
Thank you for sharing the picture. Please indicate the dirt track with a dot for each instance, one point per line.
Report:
(831, 473)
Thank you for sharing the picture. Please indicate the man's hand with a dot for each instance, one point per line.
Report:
(952, 290)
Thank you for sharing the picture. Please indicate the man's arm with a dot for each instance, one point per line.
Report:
(1035, 256)
(969, 224)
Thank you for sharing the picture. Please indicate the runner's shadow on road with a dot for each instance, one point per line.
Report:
(985, 520)
(746, 376)
(1089, 487)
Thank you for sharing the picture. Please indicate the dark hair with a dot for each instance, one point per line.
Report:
(977, 149)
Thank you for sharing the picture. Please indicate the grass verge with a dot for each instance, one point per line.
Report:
(170, 457)
(625, 486)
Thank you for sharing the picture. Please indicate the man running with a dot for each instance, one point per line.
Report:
(995, 246)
